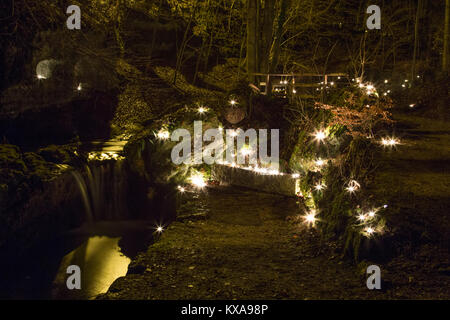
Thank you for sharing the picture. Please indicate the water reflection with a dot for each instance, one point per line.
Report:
(102, 250)
(101, 262)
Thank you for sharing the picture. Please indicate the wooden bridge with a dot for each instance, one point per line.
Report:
(303, 85)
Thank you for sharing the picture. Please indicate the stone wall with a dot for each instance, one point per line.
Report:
(278, 184)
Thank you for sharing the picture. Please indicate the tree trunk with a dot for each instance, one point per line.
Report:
(275, 50)
(180, 53)
(154, 31)
(252, 43)
(118, 26)
(445, 55)
(416, 38)
(199, 57)
(208, 53)
(267, 34)
(266, 40)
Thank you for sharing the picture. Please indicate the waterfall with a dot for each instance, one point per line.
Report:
(84, 194)
(103, 190)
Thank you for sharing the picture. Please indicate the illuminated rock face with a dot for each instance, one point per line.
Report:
(278, 184)
(45, 68)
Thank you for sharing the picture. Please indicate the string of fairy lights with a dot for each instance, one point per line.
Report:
(366, 220)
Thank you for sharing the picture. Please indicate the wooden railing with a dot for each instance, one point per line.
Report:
(290, 82)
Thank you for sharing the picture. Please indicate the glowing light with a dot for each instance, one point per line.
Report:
(369, 230)
(101, 156)
(295, 175)
(79, 88)
(159, 229)
(386, 81)
(319, 187)
(258, 169)
(320, 135)
(181, 189)
(220, 128)
(361, 217)
(310, 218)
(319, 162)
(353, 186)
(390, 142)
(202, 110)
(246, 150)
(403, 86)
(371, 214)
(40, 77)
(406, 80)
(233, 102)
(163, 134)
(294, 91)
(198, 180)
(412, 105)
(233, 133)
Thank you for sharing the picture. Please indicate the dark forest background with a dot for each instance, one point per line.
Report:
(193, 36)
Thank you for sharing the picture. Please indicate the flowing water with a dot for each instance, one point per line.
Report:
(102, 247)
(103, 188)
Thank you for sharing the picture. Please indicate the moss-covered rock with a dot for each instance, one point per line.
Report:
(39, 169)
(11, 158)
(149, 156)
(57, 154)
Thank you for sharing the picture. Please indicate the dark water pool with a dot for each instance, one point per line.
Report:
(102, 250)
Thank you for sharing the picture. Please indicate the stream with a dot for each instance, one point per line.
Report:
(102, 247)
(102, 250)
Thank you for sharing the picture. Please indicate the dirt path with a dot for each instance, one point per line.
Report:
(415, 178)
(245, 249)
(240, 244)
